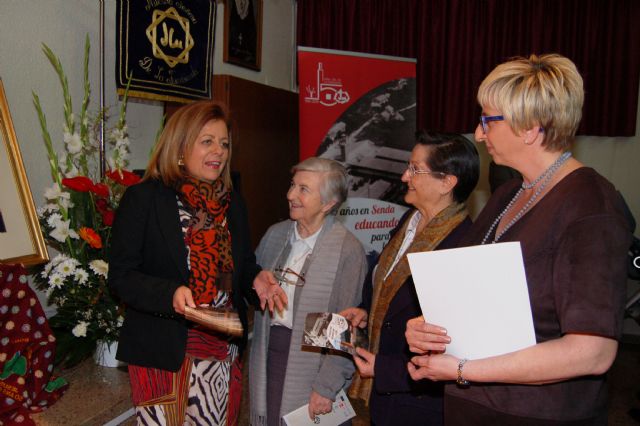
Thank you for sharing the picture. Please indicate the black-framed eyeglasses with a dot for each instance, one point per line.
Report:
(485, 119)
(413, 171)
(289, 276)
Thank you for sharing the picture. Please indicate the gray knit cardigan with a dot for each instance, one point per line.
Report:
(333, 282)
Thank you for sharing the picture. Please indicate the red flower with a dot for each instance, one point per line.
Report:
(78, 183)
(123, 177)
(107, 217)
(91, 237)
(104, 210)
(101, 190)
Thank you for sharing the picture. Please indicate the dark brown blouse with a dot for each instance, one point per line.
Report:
(574, 243)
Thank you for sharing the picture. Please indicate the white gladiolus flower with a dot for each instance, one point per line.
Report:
(81, 276)
(62, 231)
(112, 163)
(53, 193)
(74, 143)
(48, 208)
(56, 280)
(99, 267)
(80, 330)
(65, 203)
(72, 172)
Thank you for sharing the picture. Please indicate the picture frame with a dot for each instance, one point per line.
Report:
(21, 239)
(243, 33)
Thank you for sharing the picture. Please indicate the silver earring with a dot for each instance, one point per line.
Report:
(180, 162)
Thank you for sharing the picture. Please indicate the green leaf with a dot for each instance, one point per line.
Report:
(16, 365)
(55, 384)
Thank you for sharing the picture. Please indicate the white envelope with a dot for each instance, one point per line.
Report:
(479, 294)
(342, 411)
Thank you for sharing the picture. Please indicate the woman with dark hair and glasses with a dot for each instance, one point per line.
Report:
(570, 223)
(442, 172)
(312, 264)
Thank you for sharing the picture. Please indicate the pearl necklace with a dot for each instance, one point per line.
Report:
(545, 177)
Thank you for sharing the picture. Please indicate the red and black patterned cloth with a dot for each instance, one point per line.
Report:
(27, 351)
(208, 238)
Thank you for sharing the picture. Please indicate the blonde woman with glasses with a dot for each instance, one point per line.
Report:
(570, 224)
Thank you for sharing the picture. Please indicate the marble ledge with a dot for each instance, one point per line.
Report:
(96, 396)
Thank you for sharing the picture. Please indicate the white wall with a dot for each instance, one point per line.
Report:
(62, 24)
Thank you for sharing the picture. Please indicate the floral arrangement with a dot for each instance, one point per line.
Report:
(77, 220)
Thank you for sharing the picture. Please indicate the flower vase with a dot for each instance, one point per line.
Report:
(105, 354)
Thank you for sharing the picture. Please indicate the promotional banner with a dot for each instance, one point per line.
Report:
(360, 110)
(166, 47)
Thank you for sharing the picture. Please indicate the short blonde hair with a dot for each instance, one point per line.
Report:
(178, 137)
(334, 179)
(545, 91)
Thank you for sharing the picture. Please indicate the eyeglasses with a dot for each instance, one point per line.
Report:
(413, 171)
(484, 119)
(289, 276)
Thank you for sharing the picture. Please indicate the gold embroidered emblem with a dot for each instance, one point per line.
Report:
(161, 35)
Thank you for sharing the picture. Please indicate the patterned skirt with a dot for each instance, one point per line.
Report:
(206, 390)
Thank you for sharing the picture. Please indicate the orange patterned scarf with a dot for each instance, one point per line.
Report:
(208, 238)
(384, 290)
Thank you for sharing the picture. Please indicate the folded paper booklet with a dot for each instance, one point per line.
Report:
(333, 331)
(341, 411)
(222, 321)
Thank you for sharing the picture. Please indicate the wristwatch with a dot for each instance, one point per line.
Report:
(461, 380)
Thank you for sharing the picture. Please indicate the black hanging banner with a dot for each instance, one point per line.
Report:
(166, 47)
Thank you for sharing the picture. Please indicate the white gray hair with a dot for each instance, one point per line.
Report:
(334, 179)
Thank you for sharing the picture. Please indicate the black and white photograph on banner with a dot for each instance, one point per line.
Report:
(373, 138)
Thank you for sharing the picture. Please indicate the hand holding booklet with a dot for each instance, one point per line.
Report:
(341, 411)
(333, 331)
(479, 294)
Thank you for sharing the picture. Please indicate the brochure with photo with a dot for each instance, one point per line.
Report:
(333, 331)
(341, 411)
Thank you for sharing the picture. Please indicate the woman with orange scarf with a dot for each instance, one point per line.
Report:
(181, 238)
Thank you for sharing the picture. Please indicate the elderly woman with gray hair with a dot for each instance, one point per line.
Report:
(311, 264)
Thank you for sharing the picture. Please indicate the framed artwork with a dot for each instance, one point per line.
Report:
(21, 239)
(243, 33)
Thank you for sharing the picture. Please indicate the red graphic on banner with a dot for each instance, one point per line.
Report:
(331, 82)
(361, 111)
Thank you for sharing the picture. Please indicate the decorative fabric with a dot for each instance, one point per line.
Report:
(336, 270)
(27, 351)
(385, 289)
(207, 238)
(165, 48)
(206, 390)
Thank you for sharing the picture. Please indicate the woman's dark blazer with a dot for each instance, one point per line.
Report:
(395, 397)
(148, 262)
